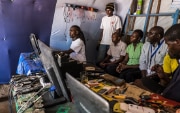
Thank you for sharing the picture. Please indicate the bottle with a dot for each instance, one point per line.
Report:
(139, 7)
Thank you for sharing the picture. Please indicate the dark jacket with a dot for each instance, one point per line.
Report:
(172, 91)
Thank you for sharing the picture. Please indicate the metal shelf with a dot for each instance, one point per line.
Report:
(153, 14)
(129, 25)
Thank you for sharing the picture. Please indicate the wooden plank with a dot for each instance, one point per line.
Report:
(157, 12)
(147, 19)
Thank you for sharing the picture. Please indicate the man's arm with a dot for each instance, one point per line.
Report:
(143, 73)
(118, 31)
(119, 60)
(143, 62)
(101, 34)
(106, 59)
(105, 62)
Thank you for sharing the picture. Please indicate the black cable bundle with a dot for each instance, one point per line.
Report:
(10, 97)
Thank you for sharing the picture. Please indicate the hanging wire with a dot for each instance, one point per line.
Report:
(65, 31)
(10, 98)
(67, 13)
(82, 15)
(70, 12)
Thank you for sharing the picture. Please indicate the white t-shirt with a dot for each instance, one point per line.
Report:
(109, 26)
(79, 50)
(117, 51)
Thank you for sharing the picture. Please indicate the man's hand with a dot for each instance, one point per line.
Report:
(120, 67)
(159, 70)
(102, 64)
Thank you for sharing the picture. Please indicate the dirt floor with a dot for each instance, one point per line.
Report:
(4, 89)
(4, 103)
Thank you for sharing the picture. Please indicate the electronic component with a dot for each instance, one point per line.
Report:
(102, 91)
(28, 91)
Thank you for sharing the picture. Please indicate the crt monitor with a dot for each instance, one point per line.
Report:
(52, 68)
(34, 44)
(86, 101)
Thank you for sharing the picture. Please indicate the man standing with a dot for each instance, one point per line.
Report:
(109, 24)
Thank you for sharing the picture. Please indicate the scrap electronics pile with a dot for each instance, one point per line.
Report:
(27, 92)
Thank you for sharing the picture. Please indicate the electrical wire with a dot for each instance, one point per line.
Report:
(65, 31)
(29, 103)
(67, 14)
(10, 97)
(10, 92)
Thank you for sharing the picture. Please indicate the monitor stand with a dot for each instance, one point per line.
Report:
(50, 101)
(51, 98)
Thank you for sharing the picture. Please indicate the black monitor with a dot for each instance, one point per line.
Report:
(53, 70)
(86, 101)
(34, 44)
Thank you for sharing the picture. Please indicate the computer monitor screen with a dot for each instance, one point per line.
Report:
(52, 68)
(86, 101)
(34, 44)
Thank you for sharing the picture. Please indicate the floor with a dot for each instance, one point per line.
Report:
(4, 102)
(4, 106)
(67, 107)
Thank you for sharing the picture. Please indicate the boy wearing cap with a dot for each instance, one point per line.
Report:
(109, 24)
